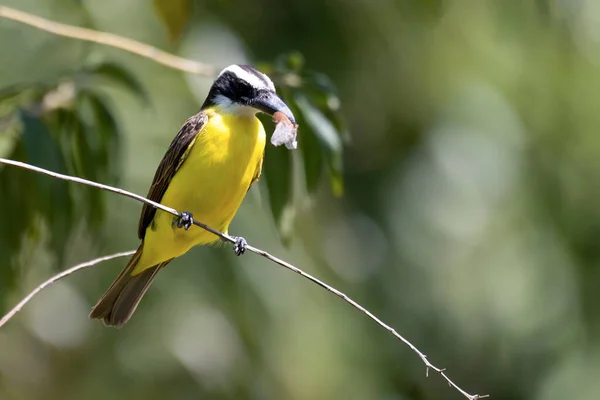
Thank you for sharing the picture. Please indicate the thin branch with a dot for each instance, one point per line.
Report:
(255, 250)
(109, 39)
(56, 277)
(428, 365)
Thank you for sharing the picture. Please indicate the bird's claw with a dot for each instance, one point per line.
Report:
(239, 247)
(185, 220)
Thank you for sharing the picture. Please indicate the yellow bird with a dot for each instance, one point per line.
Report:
(208, 169)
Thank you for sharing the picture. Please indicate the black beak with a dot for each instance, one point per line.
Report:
(270, 103)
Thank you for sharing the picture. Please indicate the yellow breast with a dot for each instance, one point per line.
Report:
(211, 184)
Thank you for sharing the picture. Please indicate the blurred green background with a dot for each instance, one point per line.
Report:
(470, 219)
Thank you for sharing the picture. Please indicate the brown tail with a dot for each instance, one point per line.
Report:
(121, 299)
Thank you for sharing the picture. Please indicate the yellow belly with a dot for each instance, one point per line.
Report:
(211, 184)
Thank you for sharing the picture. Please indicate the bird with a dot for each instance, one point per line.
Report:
(207, 170)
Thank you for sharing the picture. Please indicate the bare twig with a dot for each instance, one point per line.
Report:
(109, 39)
(56, 277)
(255, 250)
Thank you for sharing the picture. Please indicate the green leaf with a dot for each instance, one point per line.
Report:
(108, 134)
(20, 93)
(323, 93)
(40, 147)
(9, 93)
(321, 82)
(308, 143)
(277, 169)
(292, 62)
(92, 162)
(88, 156)
(17, 202)
(8, 135)
(53, 198)
(84, 142)
(328, 138)
(95, 143)
(175, 14)
(121, 76)
(312, 158)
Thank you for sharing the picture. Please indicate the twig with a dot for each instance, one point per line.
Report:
(255, 250)
(109, 39)
(56, 277)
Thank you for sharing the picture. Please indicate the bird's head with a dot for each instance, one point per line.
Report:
(241, 89)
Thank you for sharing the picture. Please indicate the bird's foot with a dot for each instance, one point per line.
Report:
(239, 247)
(185, 220)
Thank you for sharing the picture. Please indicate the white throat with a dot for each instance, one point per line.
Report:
(226, 106)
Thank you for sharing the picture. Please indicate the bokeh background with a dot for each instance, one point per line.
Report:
(470, 219)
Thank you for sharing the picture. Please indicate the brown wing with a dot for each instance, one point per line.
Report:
(172, 160)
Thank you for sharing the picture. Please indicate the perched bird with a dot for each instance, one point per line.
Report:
(206, 172)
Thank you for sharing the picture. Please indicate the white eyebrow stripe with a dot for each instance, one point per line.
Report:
(249, 77)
